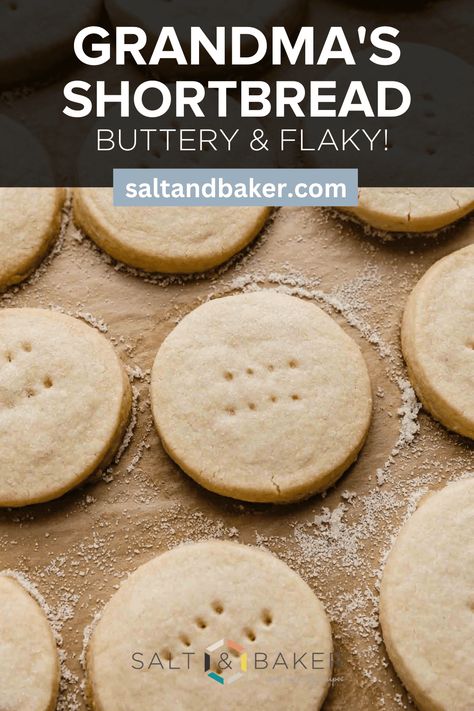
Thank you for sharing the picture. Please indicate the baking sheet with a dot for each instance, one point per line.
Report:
(76, 550)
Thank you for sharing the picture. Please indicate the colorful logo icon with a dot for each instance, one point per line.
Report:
(233, 653)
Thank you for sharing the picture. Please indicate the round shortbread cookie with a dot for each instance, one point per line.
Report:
(37, 36)
(64, 404)
(427, 141)
(166, 239)
(427, 601)
(236, 604)
(438, 340)
(261, 397)
(412, 209)
(29, 665)
(31, 219)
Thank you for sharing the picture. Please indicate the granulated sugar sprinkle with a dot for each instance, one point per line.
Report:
(76, 551)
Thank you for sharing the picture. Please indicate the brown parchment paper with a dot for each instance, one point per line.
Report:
(76, 550)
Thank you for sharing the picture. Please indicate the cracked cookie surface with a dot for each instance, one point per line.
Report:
(412, 209)
(261, 397)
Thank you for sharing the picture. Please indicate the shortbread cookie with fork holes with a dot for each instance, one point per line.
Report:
(234, 607)
(64, 404)
(261, 397)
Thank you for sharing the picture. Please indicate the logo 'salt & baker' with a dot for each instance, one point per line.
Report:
(224, 661)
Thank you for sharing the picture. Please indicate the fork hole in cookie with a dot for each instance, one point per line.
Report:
(252, 406)
(228, 375)
(167, 654)
(292, 363)
(26, 347)
(295, 396)
(47, 382)
(230, 410)
(250, 634)
(250, 371)
(30, 392)
(270, 368)
(273, 398)
(267, 618)
(9, 357)
(201, 623)
(218, 607)
(185, 640)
